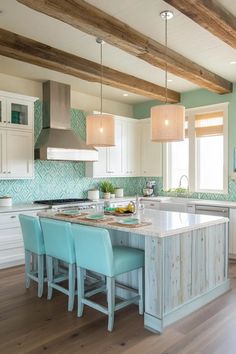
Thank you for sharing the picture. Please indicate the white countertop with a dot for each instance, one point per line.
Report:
(21, 207)
(163, 223)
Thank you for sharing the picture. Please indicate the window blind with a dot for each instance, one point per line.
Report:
(209, 124)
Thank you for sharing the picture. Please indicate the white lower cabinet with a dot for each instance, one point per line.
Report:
(11, 239)
(16, 155)
(151, 152)
(232, 233)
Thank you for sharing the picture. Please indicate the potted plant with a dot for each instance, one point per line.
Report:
(106, 188)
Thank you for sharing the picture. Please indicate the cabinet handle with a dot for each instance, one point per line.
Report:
(13, 217)
(9, 172)
(4, 172)
(4, 121)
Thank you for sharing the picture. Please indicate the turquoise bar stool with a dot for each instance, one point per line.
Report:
(94, 252)
(34, 246)
(59, 245)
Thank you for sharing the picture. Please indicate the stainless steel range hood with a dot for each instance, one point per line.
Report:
(57, 141)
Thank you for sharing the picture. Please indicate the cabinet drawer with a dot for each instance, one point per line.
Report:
(13, 252)
(11, 220)
(10, 235)
(150, 204)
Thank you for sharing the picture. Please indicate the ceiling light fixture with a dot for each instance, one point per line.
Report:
(125, 94)
(167, 120)
(100, 128)
(233, 62)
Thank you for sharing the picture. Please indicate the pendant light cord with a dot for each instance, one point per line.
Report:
(101, 82)
(166, 59)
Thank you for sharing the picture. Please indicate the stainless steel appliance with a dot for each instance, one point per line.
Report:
(212, 210)
(57, 141)
(148, 191)
(72, 203)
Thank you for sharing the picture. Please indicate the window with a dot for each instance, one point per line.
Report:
(203, 156)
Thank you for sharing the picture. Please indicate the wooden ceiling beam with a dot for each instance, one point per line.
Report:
(210, 15)
(91, 20)
(27, 50)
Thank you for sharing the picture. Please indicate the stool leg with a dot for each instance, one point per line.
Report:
(111, 302)
(40, 274)
(27, 268)
(80, 286)
(71, 287)
(49, 275)
(141, 289)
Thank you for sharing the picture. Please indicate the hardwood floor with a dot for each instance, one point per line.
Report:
(32, 325)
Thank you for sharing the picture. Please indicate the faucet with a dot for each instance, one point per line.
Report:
(180, 181)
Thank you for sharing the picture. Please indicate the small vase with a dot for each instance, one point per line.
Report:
(107, 195)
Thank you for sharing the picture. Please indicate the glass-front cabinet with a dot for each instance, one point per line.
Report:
(16, 113)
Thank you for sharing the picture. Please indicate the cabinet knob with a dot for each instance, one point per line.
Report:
(4, 172)
(9, 172)
(13, 216)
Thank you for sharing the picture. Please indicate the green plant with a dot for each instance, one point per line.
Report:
(107, 187)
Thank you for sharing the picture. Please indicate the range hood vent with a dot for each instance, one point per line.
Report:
(57, 141)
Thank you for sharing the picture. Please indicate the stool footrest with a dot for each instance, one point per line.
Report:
(125, 287)
(125, 303)
(95, 306)
(59, 288)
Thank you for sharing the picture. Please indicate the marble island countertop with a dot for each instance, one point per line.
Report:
(162, 223)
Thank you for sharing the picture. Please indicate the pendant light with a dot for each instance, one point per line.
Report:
(167, 120)
(100, 128)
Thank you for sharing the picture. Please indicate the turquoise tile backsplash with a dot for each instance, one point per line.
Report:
(63, 179)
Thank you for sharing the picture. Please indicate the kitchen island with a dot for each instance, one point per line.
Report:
(186, 261)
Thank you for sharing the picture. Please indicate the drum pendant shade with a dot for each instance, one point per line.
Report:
(100, 130)
(167, 123)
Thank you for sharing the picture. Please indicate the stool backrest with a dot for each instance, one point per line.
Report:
(93, 249)
(58, 239)
(32, 234)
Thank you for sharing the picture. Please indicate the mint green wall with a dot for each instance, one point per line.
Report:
(59, 179)
(197, 98)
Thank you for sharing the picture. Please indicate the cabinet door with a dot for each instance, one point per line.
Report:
(19, 113)
(100, 166)
(3, 166)
(19, 154)
(115, 153)
(151, 153)
(232, 232)
(3, 111)
(132, 152)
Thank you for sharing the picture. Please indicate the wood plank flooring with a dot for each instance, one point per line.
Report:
(32, 325)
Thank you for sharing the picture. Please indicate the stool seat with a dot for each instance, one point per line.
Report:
(126, 259)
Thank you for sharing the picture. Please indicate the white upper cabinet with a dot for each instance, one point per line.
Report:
(133, 155)
(19, 154)
(151, 152)
(16, 156)
(115, 163)
(132, 148)
(16, 136)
